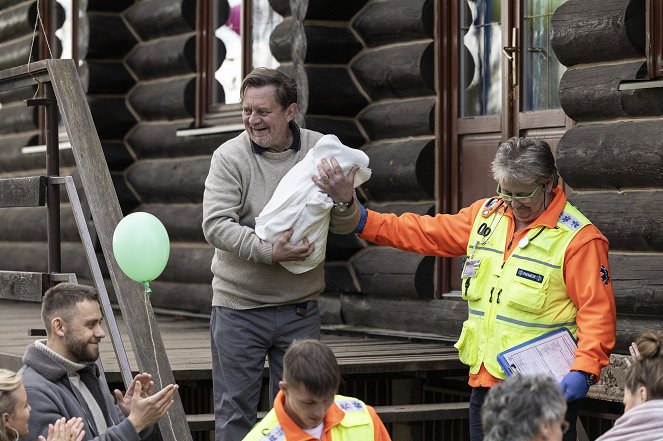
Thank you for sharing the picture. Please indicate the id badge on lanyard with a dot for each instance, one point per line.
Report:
(471, 266)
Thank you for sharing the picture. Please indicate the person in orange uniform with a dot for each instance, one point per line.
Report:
(533, 264)
(307, 407)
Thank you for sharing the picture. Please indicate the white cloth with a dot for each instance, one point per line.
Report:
(299, 204)
(642, 423)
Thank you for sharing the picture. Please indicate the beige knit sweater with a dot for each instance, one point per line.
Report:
(239, 185)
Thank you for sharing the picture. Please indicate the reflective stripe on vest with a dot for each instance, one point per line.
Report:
(521, 298)
(356, 425)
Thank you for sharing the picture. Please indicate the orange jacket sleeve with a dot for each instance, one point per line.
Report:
(587, 276)
(441, 235)
(379, 431)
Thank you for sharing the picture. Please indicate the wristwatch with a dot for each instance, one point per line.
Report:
(342, 207)
(591, 378)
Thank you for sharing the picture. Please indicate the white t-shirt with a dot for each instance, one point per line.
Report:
(316, 431)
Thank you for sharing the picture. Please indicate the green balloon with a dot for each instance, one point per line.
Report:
(141, 246)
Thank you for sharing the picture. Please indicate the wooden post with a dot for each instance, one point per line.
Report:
(105, 208)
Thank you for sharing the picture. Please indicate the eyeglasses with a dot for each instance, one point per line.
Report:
(523, 199)
(565, 425)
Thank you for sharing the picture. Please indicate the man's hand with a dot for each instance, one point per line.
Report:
(144, 382)
(574, 386)
(332, 181)
(284, 251)
(146, 410)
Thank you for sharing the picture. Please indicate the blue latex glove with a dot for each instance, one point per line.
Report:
(574, 386)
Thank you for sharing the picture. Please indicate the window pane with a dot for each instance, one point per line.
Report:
(227, 52)
(480, 58)
(65, 33)
(263, 21)
(541, 69)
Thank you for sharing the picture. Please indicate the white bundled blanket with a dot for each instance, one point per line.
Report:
(299, 204)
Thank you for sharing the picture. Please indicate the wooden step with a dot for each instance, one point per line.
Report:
(388, 414)
(23, 192)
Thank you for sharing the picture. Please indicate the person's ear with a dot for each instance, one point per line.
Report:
(58, 326)
(290, 111)
(5, 418)
(283, 386)
(642, 393)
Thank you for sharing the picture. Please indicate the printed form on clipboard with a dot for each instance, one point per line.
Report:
(551, 354)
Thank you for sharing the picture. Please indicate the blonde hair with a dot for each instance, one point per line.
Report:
(9, 382)
(647, 369)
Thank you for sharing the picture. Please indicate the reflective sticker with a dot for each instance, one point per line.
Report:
(568, 220)
(529, 275)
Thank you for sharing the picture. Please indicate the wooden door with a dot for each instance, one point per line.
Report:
(499, 78)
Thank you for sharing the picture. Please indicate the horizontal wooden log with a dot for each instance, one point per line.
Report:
(189, 263)
(399, 119)
(106, 6)
(15, 52)
(151, 103)
(13, 160)
(394, 273)
(391, 21)
(443, 318)
(344, 127)
(339, 278)
(612, 156)
(111, 38)
(637, 281)
(29, 225)
(125, 195)
(324, 44)
(108, 77)
(333, 92)
(8, 3)
(630, 328)
(401, 170)
(164, 57)
(157, 18)
(398, 208)
(33, 257)
(330, 309)
(24, 286)
(592, 93)
(626, 218)
(333, 10)
(173, 180)
(23, 192)
(159, 140)
(189, 297)
(117, 155)
(18, 118)
(182, 221)
(589, 31)
(400, 71)
(18, 21)
(112, 118)
(342, 246)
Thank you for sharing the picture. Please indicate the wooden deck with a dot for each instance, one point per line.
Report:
(187, 343)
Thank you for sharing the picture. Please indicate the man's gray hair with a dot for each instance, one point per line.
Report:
(524, 160)
(516, 409)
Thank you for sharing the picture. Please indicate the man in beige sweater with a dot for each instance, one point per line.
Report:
(259, 307)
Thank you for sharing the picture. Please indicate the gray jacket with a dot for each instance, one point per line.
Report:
(51, 396)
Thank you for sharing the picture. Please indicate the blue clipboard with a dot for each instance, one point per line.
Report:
(509, 368)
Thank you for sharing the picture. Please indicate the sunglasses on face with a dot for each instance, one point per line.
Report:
(522, 198)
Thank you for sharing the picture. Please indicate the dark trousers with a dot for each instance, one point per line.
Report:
(240, 341)
(476, 401)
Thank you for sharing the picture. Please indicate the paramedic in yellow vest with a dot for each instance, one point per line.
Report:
(533, 264)
(307, 408)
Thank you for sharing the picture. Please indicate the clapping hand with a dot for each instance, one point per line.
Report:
(145, 384)
(635, 353)
(63, 430)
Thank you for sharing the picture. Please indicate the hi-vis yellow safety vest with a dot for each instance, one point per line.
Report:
(356, 425)
(524, 297)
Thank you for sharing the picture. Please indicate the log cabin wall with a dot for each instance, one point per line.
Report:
(169, 173)
(612, 157)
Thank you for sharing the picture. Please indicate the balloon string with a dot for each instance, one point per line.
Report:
(148, 290)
